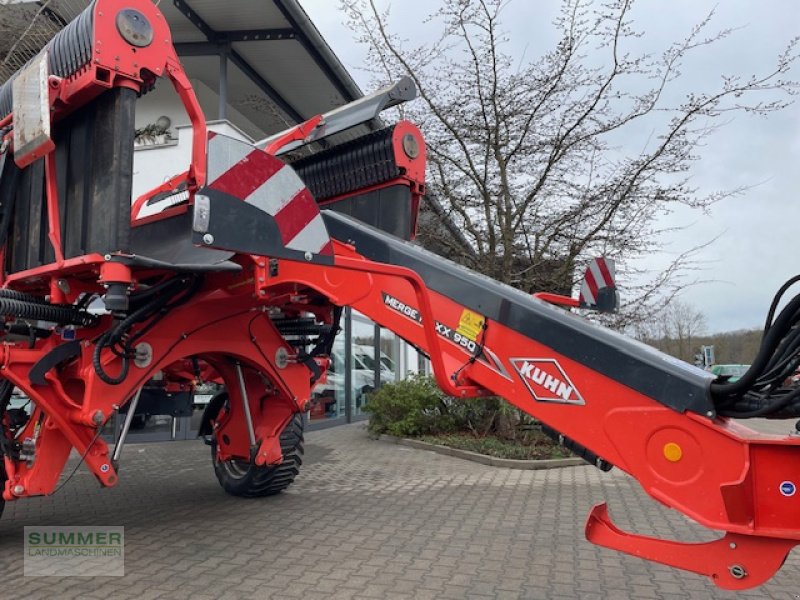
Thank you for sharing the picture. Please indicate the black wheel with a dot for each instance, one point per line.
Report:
(242, 478)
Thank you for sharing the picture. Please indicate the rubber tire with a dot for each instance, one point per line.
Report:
(240, 478)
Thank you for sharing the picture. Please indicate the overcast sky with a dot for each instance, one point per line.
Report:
(758, 231)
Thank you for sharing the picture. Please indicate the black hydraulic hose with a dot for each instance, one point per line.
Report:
(157, 308)
(771, 340)
(168, 306)
(784, 362)
(760, 392)
(151, 291)
(98, 365)
(64, 315)
(145, 311)
(22, 296)
(787, 348)
(773, 307)
(335, 329)
(136, 316)
(765, 410)
(115, 336)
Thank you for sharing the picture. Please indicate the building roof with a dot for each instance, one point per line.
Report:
(279, 68)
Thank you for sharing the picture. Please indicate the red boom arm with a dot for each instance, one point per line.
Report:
(716, 472)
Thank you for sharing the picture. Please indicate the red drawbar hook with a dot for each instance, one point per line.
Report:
(733, 562)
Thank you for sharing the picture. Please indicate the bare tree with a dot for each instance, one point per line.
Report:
(675, 330)
(525, 155)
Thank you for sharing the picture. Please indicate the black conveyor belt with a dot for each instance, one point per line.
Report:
(69, 50)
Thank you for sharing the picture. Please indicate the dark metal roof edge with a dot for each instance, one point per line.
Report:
(299, 19)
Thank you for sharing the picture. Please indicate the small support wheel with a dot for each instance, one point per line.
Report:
(242, 478)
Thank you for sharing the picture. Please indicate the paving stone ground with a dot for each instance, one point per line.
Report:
(365, 519)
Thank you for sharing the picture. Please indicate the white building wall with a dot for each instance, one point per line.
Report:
(163, 100)
(155, 164)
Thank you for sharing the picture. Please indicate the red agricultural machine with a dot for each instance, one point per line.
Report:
(241, 276)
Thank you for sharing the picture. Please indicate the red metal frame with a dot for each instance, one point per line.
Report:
(170, 185)
(716, 472)
(76, 401)
(133, 68)
(557, 299)
(53, 217)
(738, 495)
(298, 133)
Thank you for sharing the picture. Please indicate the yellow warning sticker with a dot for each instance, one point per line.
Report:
(470, 324)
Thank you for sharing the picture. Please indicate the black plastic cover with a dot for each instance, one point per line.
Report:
(357, 165)
(94, 163)
(389, 209)
(157, 401)
(349, 167)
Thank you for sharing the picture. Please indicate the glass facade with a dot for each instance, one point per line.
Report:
(364, 357)
(391, 364)
(329, 398)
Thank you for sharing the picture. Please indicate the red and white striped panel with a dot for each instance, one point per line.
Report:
(260, 179)
(599, 274)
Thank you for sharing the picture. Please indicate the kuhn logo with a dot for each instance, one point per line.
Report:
(546, 380)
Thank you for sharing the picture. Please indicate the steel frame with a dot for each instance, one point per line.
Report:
(716, 472)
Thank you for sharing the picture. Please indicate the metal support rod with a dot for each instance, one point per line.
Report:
(223, 82)
(238, 61)
(126, 426)
(376, 357)
(359, 111)
(246, 405)
(401, 362)
(348, 364)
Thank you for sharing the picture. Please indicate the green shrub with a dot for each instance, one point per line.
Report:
(415, 406)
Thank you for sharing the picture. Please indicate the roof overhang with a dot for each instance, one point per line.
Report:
(277, 67)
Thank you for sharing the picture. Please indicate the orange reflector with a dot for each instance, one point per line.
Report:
(672, 452)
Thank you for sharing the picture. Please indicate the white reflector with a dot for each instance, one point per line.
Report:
(31, 108)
